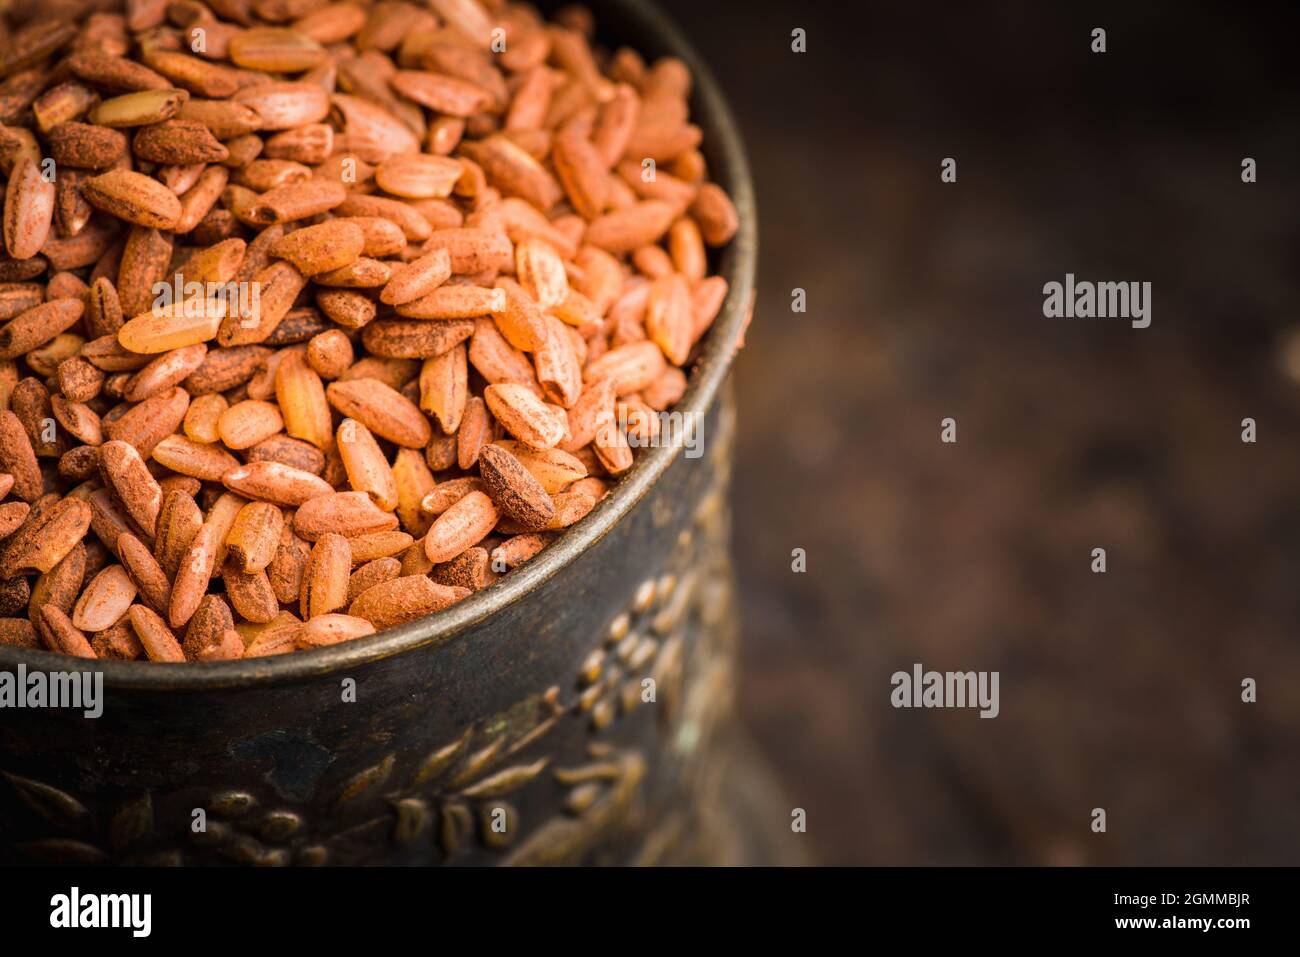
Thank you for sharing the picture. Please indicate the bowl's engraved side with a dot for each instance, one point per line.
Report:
(573, 727)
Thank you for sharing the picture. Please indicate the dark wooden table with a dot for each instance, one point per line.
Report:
(1120, 690)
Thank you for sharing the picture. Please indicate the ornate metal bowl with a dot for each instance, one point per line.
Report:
(570, 713)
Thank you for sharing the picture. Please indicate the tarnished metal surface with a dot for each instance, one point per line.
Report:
(513, 728)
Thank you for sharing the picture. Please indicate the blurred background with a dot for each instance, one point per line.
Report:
(1120, 691)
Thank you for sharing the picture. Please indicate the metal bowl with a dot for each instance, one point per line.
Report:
(570, 713)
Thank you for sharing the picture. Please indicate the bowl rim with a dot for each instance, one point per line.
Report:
(724, 148)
